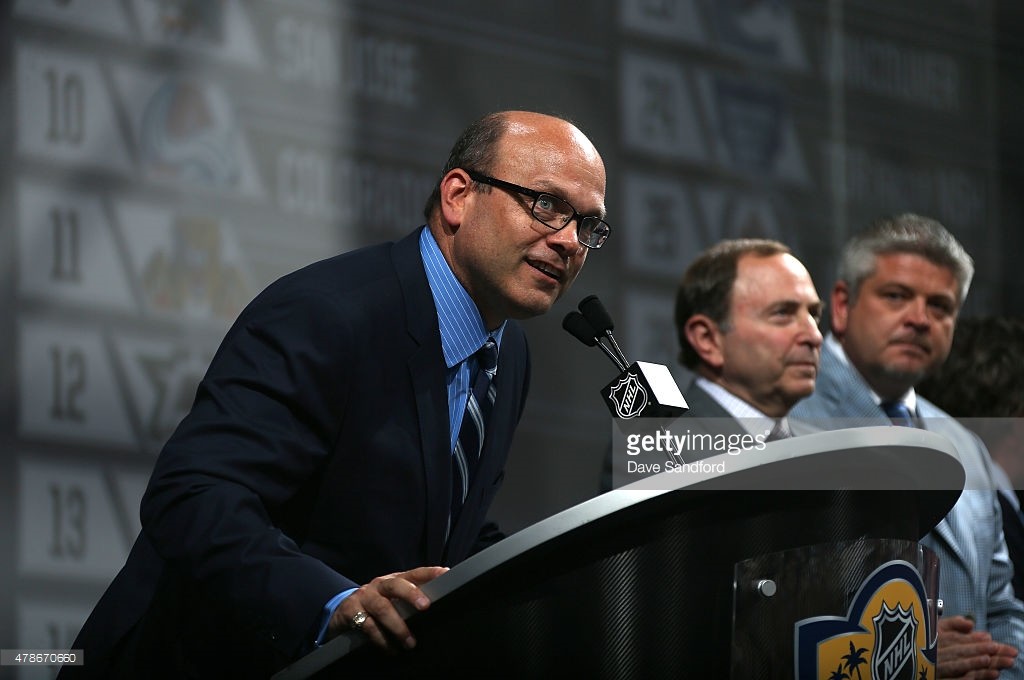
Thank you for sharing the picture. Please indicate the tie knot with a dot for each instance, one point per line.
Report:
(487, 355)
(898, 412)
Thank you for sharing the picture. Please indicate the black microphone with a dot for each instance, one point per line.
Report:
(582, 330)
(601, 320)
(642, 389)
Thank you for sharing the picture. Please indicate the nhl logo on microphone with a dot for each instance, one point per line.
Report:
(628, 396)
(646, 391)
(642, 389)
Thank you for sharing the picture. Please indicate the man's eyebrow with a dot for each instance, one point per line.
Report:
(789, 304)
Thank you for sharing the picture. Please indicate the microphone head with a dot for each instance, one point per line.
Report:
(596, 314)
(580, 328)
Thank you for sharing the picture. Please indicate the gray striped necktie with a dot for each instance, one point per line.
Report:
(779, 431)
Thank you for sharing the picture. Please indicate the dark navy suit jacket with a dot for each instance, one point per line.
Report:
(315, 457)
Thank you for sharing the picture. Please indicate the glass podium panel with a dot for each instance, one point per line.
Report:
(863, 609)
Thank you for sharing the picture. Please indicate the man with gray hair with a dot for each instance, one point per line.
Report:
(901, 284)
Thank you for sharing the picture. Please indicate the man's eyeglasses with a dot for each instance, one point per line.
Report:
(554, 212)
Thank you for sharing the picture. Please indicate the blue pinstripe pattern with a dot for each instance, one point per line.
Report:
(462, 329)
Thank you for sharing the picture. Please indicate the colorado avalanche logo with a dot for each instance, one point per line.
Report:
(629, 396)
(894, 656)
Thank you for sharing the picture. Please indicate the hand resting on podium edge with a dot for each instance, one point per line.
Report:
(384, 625)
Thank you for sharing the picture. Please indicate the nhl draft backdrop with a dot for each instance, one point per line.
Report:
(166, 159)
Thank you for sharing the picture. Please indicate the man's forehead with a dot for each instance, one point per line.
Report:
(753, 268)
(903, 266)
(772, 279)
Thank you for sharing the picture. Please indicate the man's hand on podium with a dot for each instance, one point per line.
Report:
(970, 654)
(371, 608)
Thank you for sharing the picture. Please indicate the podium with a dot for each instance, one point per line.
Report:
(765, 569)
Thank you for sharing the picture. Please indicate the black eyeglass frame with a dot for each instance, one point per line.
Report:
(536, 195)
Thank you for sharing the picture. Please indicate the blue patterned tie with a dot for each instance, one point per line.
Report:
(898, 413)
(479, 402)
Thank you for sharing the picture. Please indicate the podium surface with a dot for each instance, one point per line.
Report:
(639, 582)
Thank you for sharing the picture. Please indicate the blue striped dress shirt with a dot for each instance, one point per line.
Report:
(462, 329)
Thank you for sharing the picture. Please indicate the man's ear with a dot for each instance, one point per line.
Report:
(705, 337)
(455, 189)
(840, 308)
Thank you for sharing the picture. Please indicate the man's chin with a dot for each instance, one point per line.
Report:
(908, 375)
(527, 309)
(798, 392)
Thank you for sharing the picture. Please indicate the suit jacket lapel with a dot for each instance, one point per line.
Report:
(702, 404)
(844, 390)
(706, 416)
(945, 532)
(427, 373)
(955, 527)
(846, 394)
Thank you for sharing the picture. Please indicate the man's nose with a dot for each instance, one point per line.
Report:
(917, 313)
(811, 333)
(566, 240)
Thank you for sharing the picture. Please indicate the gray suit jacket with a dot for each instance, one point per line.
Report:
(975, 569)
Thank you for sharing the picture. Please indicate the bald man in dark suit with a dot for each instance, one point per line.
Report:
(322, 472)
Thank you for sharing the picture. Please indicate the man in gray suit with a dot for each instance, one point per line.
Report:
(747, 319)
(900, 286)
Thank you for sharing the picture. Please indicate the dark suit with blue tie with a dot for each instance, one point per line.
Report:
(316, 456)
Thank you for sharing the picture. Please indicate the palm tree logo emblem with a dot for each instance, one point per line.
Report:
(854, 660)
(838, 673)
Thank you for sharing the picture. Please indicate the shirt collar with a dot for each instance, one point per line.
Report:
(462, 328)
